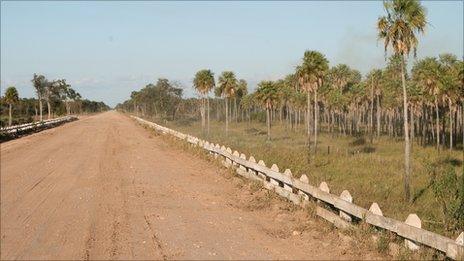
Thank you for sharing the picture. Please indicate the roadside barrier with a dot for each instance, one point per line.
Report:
(343, 211)
(19, 130)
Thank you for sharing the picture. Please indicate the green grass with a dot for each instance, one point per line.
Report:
(371, 172)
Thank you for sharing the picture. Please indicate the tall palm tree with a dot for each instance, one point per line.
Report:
(11, 97)
(204, 83)
(267, 95)
(312, 71)
(227, 86)
(39, 82)
(404, 20)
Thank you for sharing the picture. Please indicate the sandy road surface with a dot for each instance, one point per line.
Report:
(105, 188)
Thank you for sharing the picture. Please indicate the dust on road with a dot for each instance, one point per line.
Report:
(105, 188)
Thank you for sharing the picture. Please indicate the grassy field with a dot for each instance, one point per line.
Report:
(371, 172)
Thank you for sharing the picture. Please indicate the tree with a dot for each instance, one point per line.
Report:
(227, 86)
(450, 87)
(204, 83)
(39, 82)
(11, 97)
(53, 91)
(427, 74)
(398, 29)
(242, 90)
(267, 95)
(373, 79)
(312, 72)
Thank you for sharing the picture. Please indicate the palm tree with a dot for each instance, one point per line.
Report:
(427, 74)
(39, 82)
(449, 64)
(373, 80)
(312, 72)
(204, 83)
(11, 97)
(267, 95)
(404, 19)
(242, 90)
(247, 104)
(227, 86)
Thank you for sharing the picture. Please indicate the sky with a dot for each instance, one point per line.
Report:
(106, 49)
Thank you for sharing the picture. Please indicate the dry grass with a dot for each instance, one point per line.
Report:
(371, 172)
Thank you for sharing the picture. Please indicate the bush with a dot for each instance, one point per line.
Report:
(448, 189)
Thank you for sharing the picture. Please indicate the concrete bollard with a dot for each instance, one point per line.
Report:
(375, 209)
(217, 147)
(345, 195)
(323, 187)
(412, 220)
(460, 239)
(251, 172)
(228, 161)
(274, 182)
(305, 180)
(242, 156)
(289, 174)
(456, 251)
(236, 154)
(261, 175)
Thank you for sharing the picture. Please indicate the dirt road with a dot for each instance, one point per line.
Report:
(105, 188)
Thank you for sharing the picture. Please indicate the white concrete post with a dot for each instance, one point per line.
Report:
(305, 180)
(261, 175)
(323, 187)
(289, 174)
(236, 154)
(274, 182)
(375, 209)
(345, 195)
(242, 156)
(251, 172)
(412, 220)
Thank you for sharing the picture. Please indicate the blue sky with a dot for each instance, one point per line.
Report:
(107, 49)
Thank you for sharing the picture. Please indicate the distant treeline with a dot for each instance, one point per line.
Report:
(58, 96)
(347, 103)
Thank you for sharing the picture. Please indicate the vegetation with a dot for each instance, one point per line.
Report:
(356, 121)
(204, 83)
(11, 97)
(60, 98)
(399, 28)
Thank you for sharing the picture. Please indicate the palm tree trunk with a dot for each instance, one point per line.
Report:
(10, 118)
(378, 115)
(227, 117)
(203, 116)
(437, 123)
(307, 118)
(316, 119)
(412, 127)
(371, 118)
(451, 124)
(407, 155)
(40, 109)
(208, 114)
(268, 121)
